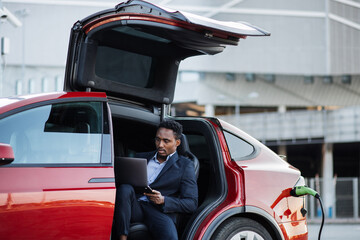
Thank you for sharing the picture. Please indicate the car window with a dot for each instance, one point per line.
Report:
(124, 67)
(239, 148)
(199, 146)
(114, 63)
(55, 134)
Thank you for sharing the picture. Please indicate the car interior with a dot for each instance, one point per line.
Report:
(198, 144)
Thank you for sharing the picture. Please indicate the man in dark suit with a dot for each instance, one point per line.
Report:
(172, 178)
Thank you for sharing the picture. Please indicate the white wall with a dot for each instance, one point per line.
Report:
(45, 31)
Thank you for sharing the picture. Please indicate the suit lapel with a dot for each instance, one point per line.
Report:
(170, 162)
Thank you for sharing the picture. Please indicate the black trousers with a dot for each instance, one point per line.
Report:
(129, 210)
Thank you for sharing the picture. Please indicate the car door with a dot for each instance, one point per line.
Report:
(133, 51)
(61, 183)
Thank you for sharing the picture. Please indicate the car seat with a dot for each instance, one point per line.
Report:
(184, 150)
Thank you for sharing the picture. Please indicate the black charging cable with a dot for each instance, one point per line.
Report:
(303, 190)
(322, 215)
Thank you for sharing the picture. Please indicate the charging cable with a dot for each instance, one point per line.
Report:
(303, 190)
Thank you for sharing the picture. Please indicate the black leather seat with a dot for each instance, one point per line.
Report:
(184, 150)
(139, 231)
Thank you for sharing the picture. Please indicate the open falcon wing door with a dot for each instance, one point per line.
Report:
(133, 51)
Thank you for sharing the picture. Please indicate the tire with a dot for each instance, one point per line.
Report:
(239, 228)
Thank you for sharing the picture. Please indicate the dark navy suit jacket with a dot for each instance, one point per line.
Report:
(177, 183)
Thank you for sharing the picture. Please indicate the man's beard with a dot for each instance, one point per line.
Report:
(162, 157)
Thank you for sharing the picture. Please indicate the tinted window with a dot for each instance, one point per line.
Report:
(238, 148)
(133, 32)
(133, 66)
(199, 146)
(123, 67)
(58, 133)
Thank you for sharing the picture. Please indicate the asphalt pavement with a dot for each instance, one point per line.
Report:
(333, 231)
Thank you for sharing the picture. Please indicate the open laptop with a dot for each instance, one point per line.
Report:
(133, 171)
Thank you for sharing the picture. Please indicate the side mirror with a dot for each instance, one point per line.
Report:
(6, 154)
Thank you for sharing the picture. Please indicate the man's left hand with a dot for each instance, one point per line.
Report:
(155, 197)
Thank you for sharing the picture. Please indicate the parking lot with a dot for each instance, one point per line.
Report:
(335, 231)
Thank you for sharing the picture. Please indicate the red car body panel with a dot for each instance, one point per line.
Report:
(235, 181)
(264, 190)
(50, 202)
(268, 181)
(69, 206)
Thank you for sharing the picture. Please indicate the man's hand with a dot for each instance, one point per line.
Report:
(155, 197)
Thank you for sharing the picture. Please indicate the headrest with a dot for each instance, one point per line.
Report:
(183, 149)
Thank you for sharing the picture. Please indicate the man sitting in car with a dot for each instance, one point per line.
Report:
(172, 178)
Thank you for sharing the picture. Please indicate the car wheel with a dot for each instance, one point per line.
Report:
(239, 228)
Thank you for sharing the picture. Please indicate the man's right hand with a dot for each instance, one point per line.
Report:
(155, 197)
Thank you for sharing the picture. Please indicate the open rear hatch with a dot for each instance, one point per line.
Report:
(133, 51)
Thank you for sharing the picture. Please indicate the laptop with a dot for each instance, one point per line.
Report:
(133, 171)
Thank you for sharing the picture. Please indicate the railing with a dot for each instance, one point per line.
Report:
(342, 125)
(343, 203)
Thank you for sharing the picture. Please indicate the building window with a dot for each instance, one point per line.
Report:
(44, 85)
(59, 83)
(18, 87)
(188, 76)
(31, 86)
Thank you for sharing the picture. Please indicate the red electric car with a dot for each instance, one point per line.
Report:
(57, 150)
